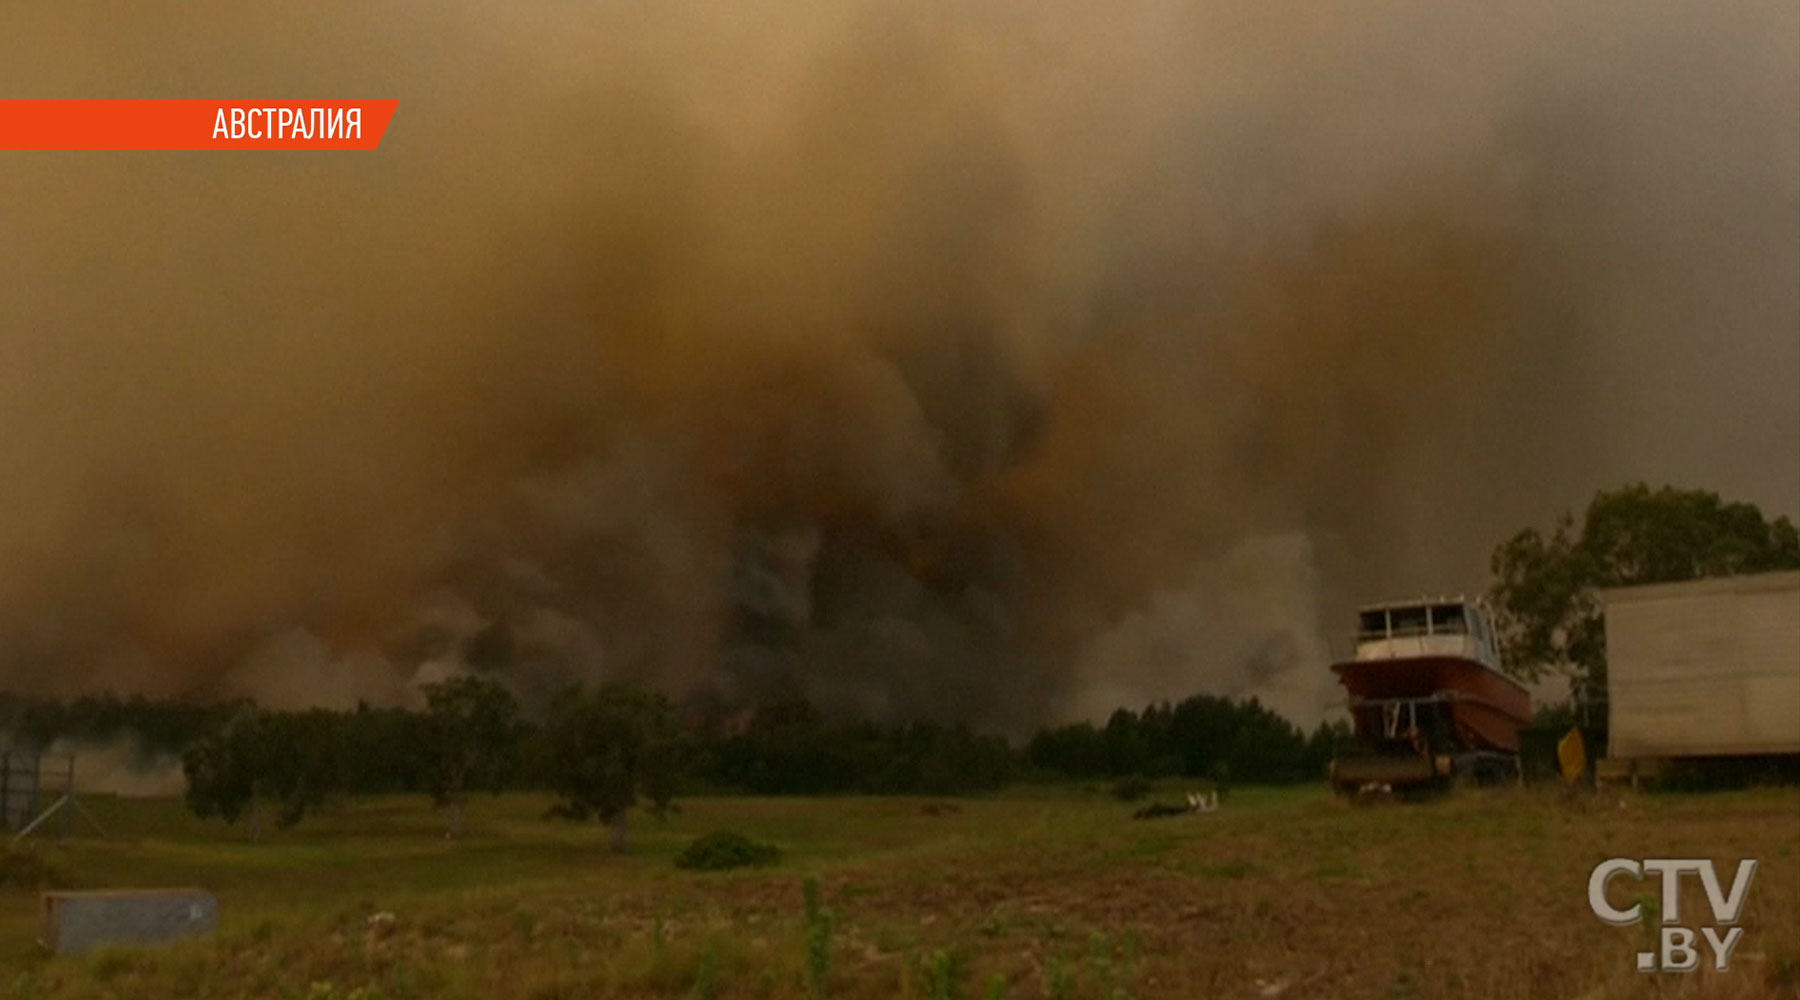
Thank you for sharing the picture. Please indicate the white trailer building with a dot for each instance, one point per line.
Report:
(1708, 668)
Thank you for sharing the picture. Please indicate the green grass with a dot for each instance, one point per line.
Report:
(1046, 891)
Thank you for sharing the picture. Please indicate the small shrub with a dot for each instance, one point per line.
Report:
(723, 850)
(1649, 912)
(818, 940)
(706, 977)
(1059, 981)
(26, 987)
(946, 974)
(109, 962)
(1784, 972)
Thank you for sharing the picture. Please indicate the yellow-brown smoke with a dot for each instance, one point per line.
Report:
(993, 360)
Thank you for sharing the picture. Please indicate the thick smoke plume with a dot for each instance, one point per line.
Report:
(1002, 361)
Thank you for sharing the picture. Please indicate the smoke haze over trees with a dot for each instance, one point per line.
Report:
(993, 362)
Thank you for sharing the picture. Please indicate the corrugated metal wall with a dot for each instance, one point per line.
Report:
(1705, 668)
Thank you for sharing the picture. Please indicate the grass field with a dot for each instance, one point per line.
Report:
(1037, 893)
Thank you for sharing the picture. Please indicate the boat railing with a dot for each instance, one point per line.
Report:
(1398, 644)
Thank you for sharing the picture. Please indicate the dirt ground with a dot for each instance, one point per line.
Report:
(1052, 893)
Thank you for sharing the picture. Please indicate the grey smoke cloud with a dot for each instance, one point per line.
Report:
(994, 361)
(1248, 622)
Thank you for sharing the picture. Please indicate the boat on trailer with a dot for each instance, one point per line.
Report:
(1427, 699)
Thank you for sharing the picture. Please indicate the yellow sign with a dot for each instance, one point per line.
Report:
(1571, 753)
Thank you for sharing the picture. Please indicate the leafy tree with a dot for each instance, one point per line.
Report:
(790, 748)
(220, 769)
(609, 750)
(289, 760)
(1200, 737)
(1200, 731)
(1264, 748)
(391, 750)
(1127, 750)
(1545, 592)
(472, 740)
(1332, 737)
(1075, 751)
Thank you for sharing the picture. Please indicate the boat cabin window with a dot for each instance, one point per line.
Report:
(1448, 619)
(1422, 619)
(1374, 624)
(1408, 621)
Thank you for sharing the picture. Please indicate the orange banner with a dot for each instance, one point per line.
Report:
(194, 124)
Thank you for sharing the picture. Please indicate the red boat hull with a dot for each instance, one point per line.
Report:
(1488, 708)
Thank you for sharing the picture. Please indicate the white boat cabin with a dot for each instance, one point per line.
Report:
(1446, 626)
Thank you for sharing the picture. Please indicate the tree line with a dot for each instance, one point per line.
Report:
(604, 751)
(1204, 736)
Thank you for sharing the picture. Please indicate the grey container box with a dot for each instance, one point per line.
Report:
(1704, 668)
(75, 922)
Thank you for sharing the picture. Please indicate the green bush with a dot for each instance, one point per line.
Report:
(722, 850)
(946, 974)
(818, 939)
